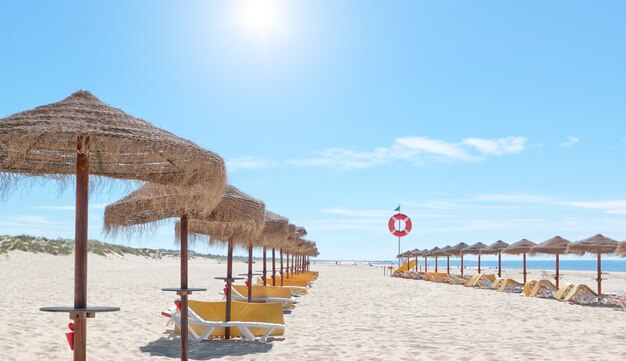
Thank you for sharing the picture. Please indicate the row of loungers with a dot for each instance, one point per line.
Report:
(579, 294)
(255, 321)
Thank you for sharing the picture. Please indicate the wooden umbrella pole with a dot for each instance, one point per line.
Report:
(264, 266)
(273, 266)
(461, 264)
(250, 272)
(436, 264)
(287, 265)
(599, 274)
(184, 311)
(281, 268)
(557, 271)
(81, 247)
(415, 264)
(524, 255)
(479, 263)
(229, 279)
(499, 264)
(448, 262)
(425, 264)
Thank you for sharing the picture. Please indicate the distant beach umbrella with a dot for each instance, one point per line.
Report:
(275, 234)
(444, 252)
(598, 245)
(81, 135)
(520, 247)
(457, 251)
(425, 254)
(474, 249)
(238, 218)
(621, 249)
(435, 253)
(416, 253)
(496, 248)
(556, 246)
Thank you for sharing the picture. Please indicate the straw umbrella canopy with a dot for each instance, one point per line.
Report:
(444, 252)
(556, 246)
(81, 135)
(416, 253)
(522, 247)
(597, 244)
(621, 249)
(146, 207)
(496, 248)
(237, 218)
(275, 234)
(474, 249)
(457, 251)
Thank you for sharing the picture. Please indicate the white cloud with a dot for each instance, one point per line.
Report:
(570, 141)
(357, 213)
(616, 206)
(69, 208)
(249, 163)
(515, 198)
(416, 150)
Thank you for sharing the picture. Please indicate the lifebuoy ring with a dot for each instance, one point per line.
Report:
(408, 225)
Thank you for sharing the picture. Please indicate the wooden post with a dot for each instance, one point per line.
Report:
(273, 266)
(184, 311)
(599, 275)
(287, 268)
(479, 262)
(524, 260)
(436, 264)
(229, 279)
(264, 266)
(500, 264)
(80, 246)
(281, 268)
(250, 272)
(461, 264)
(448, 264)
(557, 271)
(425, 264)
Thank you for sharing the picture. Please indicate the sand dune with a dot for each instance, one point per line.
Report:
(352, 313)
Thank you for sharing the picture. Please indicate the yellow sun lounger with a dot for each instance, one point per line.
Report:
(248, 320)
(436, 277)
(541, 289)
(481, 280)
(582, 295)
(510, 286)
(296, 287)
(563, 291)
(266, 294)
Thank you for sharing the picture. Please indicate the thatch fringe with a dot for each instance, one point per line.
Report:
(43, 143)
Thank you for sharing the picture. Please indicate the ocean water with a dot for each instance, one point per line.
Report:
(572, 265)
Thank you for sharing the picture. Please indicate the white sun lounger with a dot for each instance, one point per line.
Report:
(286, 302)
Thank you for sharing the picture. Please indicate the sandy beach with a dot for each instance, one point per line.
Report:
(351, 313)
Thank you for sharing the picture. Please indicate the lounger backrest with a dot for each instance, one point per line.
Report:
(264, 291)
(542, 284)
(563, 291)
(240, 311)
(293, 282)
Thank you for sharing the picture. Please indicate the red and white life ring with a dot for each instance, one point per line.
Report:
(402, 218)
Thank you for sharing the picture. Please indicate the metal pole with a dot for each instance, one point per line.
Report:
(184, 311)
(229, 279)
(80, 246)
(399, 259)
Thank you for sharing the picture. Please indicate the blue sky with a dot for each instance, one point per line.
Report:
(486, 120)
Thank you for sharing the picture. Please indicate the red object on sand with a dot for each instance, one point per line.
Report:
(70, 335)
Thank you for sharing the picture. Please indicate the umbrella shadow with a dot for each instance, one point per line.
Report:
(205, 350)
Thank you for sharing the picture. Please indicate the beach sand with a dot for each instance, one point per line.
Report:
(351, 313)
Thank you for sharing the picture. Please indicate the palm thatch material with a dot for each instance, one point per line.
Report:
(597, 244)
(275, 232)
(519, 247)
(554, 245)
(43, 142)
(474, 249)
(456, 250)
(434, 252)
(494, 248)
(237, 216)
(302, 231)
(144, 208)
(621, 249)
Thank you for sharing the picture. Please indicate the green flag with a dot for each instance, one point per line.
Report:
(397, 209)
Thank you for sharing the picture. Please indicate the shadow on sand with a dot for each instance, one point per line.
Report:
(205, 350)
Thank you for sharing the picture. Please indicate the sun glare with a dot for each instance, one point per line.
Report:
(258, 18)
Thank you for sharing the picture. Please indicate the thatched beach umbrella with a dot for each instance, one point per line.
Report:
(597, 244)
(520, 247)
(496, 248)
(274, 234)
(556, 246)
(457, 251)
(416, 253)
(621, 249)
(444, 252)
(474, 249)
(435, 253)
(79, 136)
(153, 203)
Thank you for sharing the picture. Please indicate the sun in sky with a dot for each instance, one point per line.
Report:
(262, 20)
